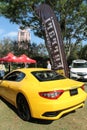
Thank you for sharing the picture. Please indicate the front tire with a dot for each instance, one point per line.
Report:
(23, 108)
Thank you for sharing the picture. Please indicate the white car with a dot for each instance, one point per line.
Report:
(78, 69)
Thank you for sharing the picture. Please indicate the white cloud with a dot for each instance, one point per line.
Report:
(11, 34)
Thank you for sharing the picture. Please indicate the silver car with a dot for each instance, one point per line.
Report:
(78, 69)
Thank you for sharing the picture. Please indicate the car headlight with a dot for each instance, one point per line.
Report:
(73, 72)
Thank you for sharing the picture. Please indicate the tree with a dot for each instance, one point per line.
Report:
(74, 53)
(71, 15)
(21, 47)
(30, 49)
(83, 52)
(42, 51)
(6, 46)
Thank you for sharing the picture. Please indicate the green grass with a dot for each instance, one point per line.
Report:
(9, 120)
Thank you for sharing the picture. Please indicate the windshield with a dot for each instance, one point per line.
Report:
(80, 65)
(47, 75)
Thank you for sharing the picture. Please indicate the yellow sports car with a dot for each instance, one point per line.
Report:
(41, 93)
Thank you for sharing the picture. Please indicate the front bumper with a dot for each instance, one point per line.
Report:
(78, 77)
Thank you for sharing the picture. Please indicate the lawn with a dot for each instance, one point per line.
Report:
(9, 120)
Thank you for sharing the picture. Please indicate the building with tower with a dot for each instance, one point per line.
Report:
(23, 37)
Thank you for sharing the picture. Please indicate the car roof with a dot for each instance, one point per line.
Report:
(30, 69)
(79, 61)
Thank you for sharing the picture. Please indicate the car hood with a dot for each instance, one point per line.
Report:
(79, 70)
(64, 84)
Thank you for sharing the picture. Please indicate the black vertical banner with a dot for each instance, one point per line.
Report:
(54, 41)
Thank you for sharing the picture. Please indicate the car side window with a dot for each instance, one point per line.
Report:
(15, 76)
(20, 76)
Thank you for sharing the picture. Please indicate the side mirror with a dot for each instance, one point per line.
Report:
(70, 66)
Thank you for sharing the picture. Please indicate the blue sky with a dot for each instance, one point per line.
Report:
(10, 30)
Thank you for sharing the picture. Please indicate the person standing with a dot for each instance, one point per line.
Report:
(2, 69)
(48, 65)
(26, 65)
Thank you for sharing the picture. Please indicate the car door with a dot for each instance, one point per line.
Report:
(3, 88)
(7, 90)
(11, 85)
